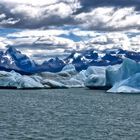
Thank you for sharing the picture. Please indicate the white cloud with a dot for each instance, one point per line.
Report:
(61, 9)
(42, 44)
(110, 18)
(38, 33)
(38, 13)
(33, 14)
(29, 11)
(4, 42)
(32, 2)
(2, 16)
(111, 40)
(9, 21)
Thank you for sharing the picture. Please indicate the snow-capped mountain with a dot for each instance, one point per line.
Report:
(13, 59)
(52, 65)
(82, 60)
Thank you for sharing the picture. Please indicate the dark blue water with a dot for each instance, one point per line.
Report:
(68, 114)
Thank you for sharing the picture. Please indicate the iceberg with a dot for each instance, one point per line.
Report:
(118, 73)
(95, 77)
(96, 81)
(28, 82)
(69, 68)
(52, 84)
(81, 69)
(124, 78)
(15, 80)
(129, 85)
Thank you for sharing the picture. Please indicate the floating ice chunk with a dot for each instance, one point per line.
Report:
(129, 85)
(96, 70)
(53, 84)
(118, 73)
(96, 77)
(81, 76)
(15, 80)
(27, 82)
(95, 81)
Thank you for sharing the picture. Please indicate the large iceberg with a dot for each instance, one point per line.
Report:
(129, 85)
(120, 72)
(124, 78)
(119, 78)
(67, 78)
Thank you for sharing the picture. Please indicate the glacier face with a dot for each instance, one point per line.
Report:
(90, 69)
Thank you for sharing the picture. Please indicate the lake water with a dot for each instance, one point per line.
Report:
(68, 114)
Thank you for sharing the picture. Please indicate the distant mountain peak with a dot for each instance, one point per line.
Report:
(11, 49)
(12, 59)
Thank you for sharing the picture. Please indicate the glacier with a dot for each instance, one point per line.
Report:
(118, 71)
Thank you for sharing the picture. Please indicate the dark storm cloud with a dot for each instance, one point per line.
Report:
(89, 4)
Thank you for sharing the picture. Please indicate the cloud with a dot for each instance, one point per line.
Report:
(43, 44)
(110, 19)
(48, 27)
(38, 33)
(87, 5)
(101, 15)
(109, 41)
(37, 14)
(4, 42)
(32, 2)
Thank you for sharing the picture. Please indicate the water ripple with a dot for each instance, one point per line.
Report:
(68, 114)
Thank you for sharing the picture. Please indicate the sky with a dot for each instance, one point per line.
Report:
(48, 28)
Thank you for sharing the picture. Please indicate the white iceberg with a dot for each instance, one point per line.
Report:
(15, 80)
(95, 77)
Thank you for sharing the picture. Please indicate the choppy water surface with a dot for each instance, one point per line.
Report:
(68, 114)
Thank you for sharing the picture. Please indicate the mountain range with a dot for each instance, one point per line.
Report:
(12, 59)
